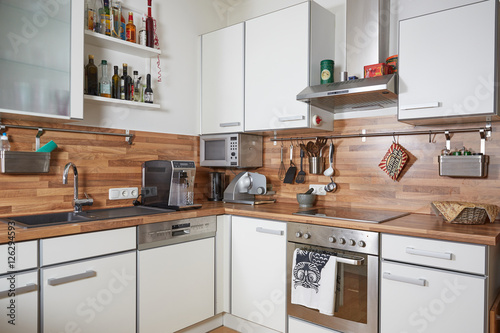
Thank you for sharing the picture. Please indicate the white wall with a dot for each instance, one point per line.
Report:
(180, 22)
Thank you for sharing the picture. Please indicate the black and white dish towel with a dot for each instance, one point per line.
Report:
(314, 277)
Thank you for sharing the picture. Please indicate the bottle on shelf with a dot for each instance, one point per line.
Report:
(107, 18)
(91, 77)
(100, 24)
(123, 35)
(115, 84)
(148, 92)
(134, 88)
(116, 15)
(125, 84)
(4, 142)
(137, 87)
(89, 14)
(105, 83)
(130, 28)
(142, 33)
(150, 31)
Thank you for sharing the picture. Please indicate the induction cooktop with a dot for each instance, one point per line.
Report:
(353, 214)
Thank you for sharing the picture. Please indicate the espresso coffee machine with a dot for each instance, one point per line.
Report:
(168, 184)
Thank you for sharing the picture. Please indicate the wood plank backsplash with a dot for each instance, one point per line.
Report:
(361, 183)
(103, 162)
(106, 161)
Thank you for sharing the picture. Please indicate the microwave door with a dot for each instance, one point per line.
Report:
(214, 152)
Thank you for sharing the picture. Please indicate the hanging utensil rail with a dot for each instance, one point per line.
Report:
(482, 130)
(128, 137)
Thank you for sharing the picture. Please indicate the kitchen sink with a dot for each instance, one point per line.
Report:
(41, 220)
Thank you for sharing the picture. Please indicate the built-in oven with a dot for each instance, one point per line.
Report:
(355, 304)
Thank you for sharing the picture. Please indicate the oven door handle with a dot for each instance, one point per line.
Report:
(354, 262)
(404, 279)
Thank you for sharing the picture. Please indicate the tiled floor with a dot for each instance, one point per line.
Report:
(223, 330)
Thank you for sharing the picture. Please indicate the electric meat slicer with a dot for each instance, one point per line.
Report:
(244, 187)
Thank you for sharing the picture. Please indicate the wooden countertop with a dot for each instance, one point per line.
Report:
(418, 225)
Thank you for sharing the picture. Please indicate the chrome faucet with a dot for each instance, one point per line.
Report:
(77, 203)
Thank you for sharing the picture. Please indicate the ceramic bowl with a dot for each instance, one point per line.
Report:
(306, 200)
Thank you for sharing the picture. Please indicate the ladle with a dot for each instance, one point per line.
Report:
(330, 171)
(332, 186)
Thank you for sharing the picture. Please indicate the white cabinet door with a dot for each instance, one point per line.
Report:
(176, 286)
(42, 48)
(447, 70)
(277, 69)
(18, 256)
(416, 299)
(259, 271)
(222, 79)
(19, 304)
(300, 326)
(91, 296)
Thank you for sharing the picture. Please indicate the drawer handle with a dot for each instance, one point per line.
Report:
(404, 279)
(71, 278)
(421, 106)
(270, 231)
(237, 123)
(431, 254)
(291, 118)
(19, 291)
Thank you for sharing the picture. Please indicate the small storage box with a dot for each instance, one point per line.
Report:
(464, 166)
(24, 162)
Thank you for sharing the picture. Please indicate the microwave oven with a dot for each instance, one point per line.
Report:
(231, 150)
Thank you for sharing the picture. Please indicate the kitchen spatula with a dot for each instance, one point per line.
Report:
(292, 169)
(301, 176)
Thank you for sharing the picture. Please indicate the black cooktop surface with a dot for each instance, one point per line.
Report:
(353, 214)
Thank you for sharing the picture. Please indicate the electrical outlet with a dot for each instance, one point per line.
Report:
(123, 193)
(318, 189)
(149, 191)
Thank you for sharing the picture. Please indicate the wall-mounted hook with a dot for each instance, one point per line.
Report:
(39, 133)
(482, 134)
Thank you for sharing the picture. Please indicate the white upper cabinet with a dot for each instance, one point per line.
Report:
(447, 66)
(222, 80)
(41, 59)
(280, 61)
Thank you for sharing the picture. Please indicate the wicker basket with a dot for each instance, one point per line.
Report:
(471, 216)
(465, 212)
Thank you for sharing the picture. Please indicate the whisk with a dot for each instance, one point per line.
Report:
(282, 170)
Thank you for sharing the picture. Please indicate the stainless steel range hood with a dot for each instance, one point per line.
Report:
(367, 43)
(354, 95)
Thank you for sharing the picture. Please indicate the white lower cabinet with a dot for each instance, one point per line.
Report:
(19, 302)
(420, 296)
(258, 267)
(176, 286)
(300, 326)
(90, 296)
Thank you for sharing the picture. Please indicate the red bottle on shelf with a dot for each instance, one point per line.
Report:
(150, 30)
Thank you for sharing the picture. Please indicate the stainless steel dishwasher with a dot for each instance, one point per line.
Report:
(176, 274)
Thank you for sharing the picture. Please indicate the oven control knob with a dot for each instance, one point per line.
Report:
(342, 241)
(361, 244)
(332, 239)
(298, 234)
(352, 242)
(307, 235)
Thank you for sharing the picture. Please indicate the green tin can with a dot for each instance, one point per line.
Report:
(327, 71)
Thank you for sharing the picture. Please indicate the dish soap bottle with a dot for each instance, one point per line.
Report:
(4, 142)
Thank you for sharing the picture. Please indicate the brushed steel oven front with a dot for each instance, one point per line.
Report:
(356, 301)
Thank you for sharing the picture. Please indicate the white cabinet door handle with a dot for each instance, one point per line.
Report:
(291, 118)
(404, 279)
(237, 123)
(270, 231)
(71, 278)
(421, 106)
(18, 291)
(431, 254)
